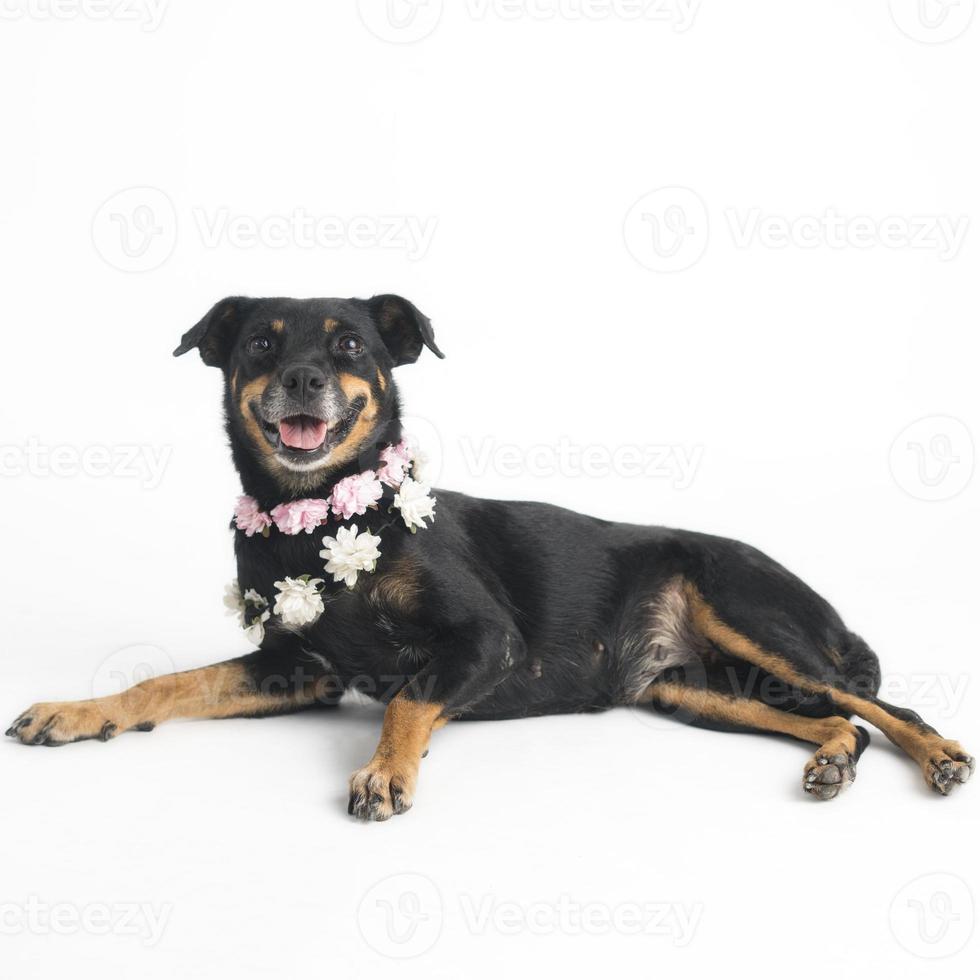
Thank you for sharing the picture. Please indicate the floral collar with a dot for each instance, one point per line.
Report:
(299, 601)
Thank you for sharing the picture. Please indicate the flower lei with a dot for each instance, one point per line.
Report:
(299, 601)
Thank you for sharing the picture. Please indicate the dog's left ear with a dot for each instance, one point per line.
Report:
(213, 334)
(403, 328)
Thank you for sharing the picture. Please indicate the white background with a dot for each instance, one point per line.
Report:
(789, 370)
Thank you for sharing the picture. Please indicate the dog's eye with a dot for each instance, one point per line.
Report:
(258, 345)
(350, 344)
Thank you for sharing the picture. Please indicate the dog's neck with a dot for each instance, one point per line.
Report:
(272, 487)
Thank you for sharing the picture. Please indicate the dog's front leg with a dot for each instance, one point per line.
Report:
(262, 683)
(460, 673)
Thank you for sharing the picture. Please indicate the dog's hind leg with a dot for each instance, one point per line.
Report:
(944, 763)
(826, 775)
(255, 685)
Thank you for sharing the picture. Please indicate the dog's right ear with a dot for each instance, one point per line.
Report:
(213, 335)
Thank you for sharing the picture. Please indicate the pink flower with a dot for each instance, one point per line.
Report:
(300, 515)
(354, 494)
(249, 518)
(395, 460)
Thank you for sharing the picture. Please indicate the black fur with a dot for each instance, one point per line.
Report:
(517, 597)
(498, 609)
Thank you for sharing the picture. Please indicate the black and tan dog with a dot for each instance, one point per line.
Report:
(499, 610)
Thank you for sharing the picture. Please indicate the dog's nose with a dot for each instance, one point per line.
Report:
(303, 381)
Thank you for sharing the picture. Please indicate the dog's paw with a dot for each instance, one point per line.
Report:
(379, 791)
(61, 722)
(827, 776)
(948, 767)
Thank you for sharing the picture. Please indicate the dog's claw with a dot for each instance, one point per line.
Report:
(18, 725)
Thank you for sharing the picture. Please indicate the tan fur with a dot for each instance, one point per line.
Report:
(221, 691)
(929, 750)
(250, 392)
(397, 585)
(278, 325)
(392, 773)
(355, 387)
(754, 714)
(330, 325)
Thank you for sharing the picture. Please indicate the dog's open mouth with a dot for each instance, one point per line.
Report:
(308, 437)
(303, 432)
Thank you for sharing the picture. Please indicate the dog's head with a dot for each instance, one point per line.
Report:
(308, 383)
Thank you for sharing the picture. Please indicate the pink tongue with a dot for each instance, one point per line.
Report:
(302, 432)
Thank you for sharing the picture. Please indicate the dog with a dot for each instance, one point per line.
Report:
(352, 574)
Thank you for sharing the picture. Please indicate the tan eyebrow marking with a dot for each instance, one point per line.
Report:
(330, 325)
(278, 325)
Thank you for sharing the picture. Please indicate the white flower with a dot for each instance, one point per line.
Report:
(350, 553)
(256, 632)
(421, 467)
(298, 601)
(254, 598)
(251, 609)
(414, 502)
(234, 603)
